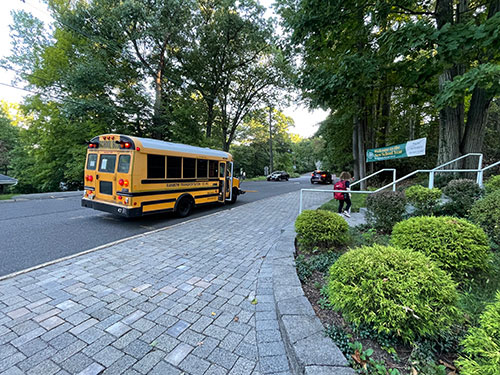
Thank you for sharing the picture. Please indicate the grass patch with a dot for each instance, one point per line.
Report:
(358, 200)
(258, 178)
(6, 196)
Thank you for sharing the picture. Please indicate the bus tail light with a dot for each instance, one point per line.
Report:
(120, 197)
(125, 183)
(89, 178)
(126, 200)
(121, 182)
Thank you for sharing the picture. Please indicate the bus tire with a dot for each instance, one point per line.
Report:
(184, 206)
(235, 196)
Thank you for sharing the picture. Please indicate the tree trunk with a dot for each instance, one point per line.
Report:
(210, 117)
(450, 125)
(358, 147)
(473, 138)
(158, 131)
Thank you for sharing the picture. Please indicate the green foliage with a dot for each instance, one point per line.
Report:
(486, 213)
(385, 209)
(395, 291)
(463, 194)
(366, 236)
(482, 344)
(340, 337)
(320, 228)
(304, 270)
(425, 200)
(493, 184)
(457, 245)
(9, 138)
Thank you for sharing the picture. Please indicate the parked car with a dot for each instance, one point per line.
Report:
(323, 177)
(278, 176)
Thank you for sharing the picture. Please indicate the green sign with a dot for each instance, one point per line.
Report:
(403, 150)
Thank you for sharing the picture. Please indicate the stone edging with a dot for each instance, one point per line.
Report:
(309, 351)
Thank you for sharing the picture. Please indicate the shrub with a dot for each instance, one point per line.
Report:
(486, 213)
(425, 200)
(384, 209)
(395, 291)
(320, 228)
(493, 184)
(482, 344)
(455, 244)
(463, 193)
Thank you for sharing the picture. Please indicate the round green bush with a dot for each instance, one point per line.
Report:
(493, 184)
(384, 209)
(425, 200)
(457, 245)
(320, 228)
(463, 193)
(486, 213)
(394, 291)
(482, 344)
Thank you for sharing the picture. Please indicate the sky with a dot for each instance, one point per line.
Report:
(306, 122)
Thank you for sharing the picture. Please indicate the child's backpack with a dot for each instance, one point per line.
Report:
(339, 186)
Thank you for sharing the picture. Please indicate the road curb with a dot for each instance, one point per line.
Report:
(309, 351)
(41, 196)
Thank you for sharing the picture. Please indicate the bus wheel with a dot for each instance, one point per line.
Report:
(184, 207)
(235, 196)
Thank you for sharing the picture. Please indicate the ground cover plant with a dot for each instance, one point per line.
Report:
(374, 351)
(493, 184)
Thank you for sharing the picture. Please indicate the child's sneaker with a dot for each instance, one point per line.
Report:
(346, 214)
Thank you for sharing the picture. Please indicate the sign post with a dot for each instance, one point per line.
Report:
(403, 150)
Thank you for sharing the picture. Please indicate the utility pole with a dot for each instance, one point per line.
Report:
(270, 140)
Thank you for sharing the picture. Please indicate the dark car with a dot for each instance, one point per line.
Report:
(278, 176)
(323, 177)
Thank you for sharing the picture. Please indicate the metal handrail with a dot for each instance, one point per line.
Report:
(331, 191)
(490, 166)
(373, 174)
(479, 177)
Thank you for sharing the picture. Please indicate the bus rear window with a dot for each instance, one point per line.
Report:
(156, 166)
(174, 167)
(92, 162)
(123, 163)
(108, 163)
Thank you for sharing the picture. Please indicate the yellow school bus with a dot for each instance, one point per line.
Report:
(131, 176)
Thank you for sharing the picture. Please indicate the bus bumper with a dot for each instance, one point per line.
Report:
(111, 208)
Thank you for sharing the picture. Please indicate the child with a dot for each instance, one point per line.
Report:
(343, 184)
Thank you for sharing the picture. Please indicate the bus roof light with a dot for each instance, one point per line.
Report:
(138, 148)
(127, 145)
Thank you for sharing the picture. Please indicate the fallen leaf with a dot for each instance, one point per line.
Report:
(200, 343)
(357, 357)
(236, 319)
(254, 301)
(213, 314)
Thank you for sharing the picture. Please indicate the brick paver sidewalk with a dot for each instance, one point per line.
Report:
(190, 299)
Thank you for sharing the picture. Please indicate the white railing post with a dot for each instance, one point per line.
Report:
(479, 178)
(431, 179)
(300, 202)
(394, 180)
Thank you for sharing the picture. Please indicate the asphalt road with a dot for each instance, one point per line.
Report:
(36, 231)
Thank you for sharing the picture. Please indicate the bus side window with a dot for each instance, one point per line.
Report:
(202, 166)
(213, 167)
(189, 167)
(92, 162)
(123, 163)
(174, 167)
(222, 170)
(156, 166)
